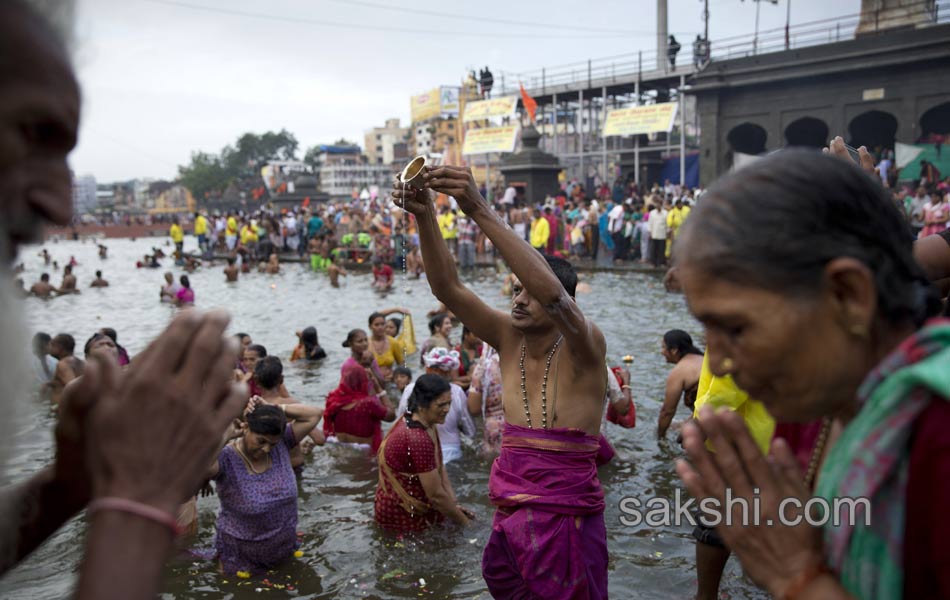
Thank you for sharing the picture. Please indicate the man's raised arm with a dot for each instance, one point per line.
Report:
(486, 322)
(584, 339)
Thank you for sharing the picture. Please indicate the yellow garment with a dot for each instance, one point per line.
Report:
(393, 356)
(674, 218)
(232, 226)
(248, 234)
(723, 392)
(540, 232)
(201, 225)
(447, 225)
(407, 336)
(177, 234)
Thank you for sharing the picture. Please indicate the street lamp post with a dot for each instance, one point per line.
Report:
(755, 39)
(788, 21)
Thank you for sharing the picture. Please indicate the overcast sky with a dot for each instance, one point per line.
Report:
(162, 78)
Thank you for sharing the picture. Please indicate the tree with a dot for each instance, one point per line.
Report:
(208, 173)
(251, 151)
(205, 174)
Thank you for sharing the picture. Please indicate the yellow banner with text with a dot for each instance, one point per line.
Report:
(490, 139)
(486, 109)
(651, 118)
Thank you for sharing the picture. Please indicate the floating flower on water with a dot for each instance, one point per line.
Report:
(243, 575)
(298, 553)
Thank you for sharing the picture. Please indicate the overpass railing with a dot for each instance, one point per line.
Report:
(645, 64)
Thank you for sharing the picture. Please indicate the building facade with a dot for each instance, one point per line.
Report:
(387, 145)
(84, 195)
(875, 90)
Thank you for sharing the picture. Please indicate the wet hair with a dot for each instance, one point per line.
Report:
(374, 316)
(397, 322)
(427, 388)
(95, 338)
(776, 224)
(261, 350)
(435, 323)
(565, 273)
(98, 274)
(68, 270)
(65, 341)
(351, 336)
(268, 372)
(110, 333)
(184, 281)
(311, 344)
(240, 336)
(403, 371)
(679, 340)
(44, 277)
(267, 419)
(41, 342)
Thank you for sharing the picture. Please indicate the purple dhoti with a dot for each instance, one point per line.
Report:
(548, 536)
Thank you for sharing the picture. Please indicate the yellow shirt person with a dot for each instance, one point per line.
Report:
(201, 225)
(540, 232)
(674, 220)
(248, 234)
(447, 225)
(176, 233)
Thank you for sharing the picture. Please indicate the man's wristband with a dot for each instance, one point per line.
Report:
(138, 509)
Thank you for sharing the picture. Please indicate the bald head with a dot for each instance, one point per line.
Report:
(39, 121)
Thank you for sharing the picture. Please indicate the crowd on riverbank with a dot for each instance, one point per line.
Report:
(622, 223)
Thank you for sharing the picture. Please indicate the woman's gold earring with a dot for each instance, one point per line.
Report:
(727, 364)
(858, 330)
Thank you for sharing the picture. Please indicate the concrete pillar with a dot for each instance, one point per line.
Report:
(662, 31)
(713, 145)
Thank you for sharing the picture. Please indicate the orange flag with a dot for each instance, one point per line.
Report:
(529, 103)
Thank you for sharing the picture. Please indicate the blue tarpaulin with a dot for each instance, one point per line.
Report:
(671, 170)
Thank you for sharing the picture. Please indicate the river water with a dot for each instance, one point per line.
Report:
(345, 556)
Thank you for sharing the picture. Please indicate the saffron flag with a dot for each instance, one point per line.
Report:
(529, 103)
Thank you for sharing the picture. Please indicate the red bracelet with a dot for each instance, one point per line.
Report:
(135, 508)
(804, 579)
